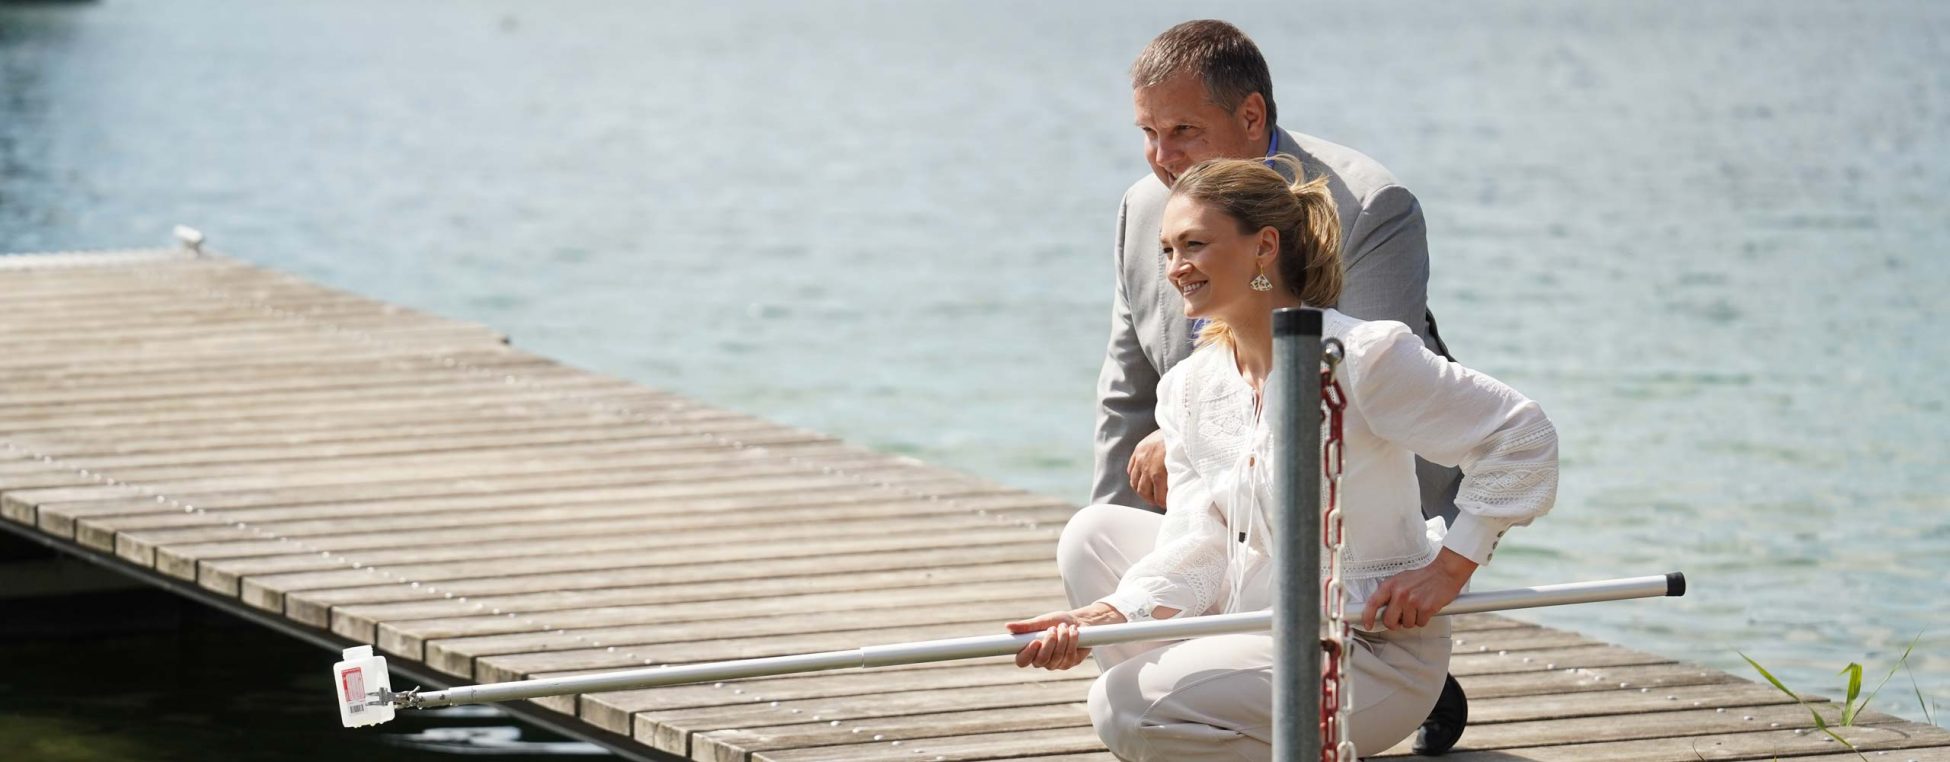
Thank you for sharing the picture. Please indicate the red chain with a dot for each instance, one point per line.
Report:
(1334, 701)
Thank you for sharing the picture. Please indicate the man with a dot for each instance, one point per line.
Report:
(1201, 90)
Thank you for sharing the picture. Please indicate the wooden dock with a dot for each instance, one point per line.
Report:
(353, 472)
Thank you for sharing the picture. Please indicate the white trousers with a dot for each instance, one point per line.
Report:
(1212, 698)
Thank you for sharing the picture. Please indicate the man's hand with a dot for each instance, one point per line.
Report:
(1147, 468)
(1413, 597)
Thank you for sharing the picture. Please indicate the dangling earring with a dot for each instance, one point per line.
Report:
(1260, 282)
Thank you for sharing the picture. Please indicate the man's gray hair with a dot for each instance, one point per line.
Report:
(1217, 52)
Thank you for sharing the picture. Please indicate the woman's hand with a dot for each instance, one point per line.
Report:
(1057, 648)
(1413, 597)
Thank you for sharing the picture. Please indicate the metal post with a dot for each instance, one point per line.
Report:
(926, 651)
(1293, 398)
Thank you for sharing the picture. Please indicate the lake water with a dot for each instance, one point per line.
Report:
(1709, 238)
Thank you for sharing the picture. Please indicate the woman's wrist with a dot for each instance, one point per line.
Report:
(1099, 613)
(1453, 565)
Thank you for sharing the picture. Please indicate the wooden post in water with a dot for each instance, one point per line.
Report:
(1294, 400)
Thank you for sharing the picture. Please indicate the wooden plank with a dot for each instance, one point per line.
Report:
(1534, 707)
(268, 592)
(671, 646)
(1685, 742)
(1906, 754)
(326, 527)
(353, 433)
(678, 479)
(356, 427)
(167, 308)
(700, 487)
(676, 442)
(408, 637)
(950, 748)
(1468, 623)
(1503, 641)
(1646, 726)
(737, 745)
(430, 346)
(624, 463)
(679, 442)
(613, 710)
(397, 386)
(643, 537)
(64, 337)
(673, 730)
(356, 412)
(237, 460)
(268, 342)
(297, 356)
(802, 615)
(1590, 680)
(546, 514)
(1565, 661)
(15, 265)
(608, 481)
(560, 386)
(23, 397)
(600, 655)
(313, 607)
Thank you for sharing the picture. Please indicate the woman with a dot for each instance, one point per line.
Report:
(1241, 243)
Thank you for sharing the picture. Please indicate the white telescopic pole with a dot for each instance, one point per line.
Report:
(999, 645)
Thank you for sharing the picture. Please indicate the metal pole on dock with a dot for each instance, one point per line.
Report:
(1293, 398)
(989, 645)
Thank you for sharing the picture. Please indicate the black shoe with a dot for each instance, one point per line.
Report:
(1444, 726)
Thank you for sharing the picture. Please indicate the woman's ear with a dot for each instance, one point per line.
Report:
(1269, 247)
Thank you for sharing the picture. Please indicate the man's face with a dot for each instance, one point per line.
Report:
(1183, 127)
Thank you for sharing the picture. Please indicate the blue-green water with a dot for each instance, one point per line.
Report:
(1708, 237)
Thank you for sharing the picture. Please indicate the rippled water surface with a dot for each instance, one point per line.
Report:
(1708, 237)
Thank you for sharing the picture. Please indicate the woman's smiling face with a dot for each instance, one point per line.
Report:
(1209, 261)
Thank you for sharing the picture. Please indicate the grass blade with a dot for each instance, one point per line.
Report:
(1770, 676)
(1854, 672)
(1902, 662)
(1820, 723)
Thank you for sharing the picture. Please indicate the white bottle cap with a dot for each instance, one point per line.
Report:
(358, 652)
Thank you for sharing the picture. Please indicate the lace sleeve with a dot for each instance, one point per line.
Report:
(1454, 416)
(1186, 570)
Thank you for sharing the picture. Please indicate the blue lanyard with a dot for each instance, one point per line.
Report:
(1272, 146)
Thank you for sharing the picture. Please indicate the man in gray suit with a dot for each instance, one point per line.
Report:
(1202, 91)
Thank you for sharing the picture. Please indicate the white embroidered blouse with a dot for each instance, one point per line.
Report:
(1403, 400)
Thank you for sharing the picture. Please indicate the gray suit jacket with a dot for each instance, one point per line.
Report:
(1384, 247)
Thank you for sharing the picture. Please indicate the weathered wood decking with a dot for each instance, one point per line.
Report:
(358, 472)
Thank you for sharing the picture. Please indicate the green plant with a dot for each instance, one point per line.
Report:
(1850, 709)
(1902, 662)
(1820, 723)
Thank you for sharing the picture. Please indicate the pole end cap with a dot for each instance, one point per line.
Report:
(1675, 584)
(1296, 321)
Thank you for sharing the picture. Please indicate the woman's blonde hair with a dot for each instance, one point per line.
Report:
(1257, 197)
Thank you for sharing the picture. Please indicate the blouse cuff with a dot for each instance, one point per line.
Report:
(1135, 605)
(1475, 536)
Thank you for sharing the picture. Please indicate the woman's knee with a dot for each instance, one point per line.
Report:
(1115, 717)
(1082, 544)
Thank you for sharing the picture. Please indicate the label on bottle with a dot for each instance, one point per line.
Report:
(352, 686)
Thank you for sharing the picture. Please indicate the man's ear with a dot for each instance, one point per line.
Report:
(1252, 115)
